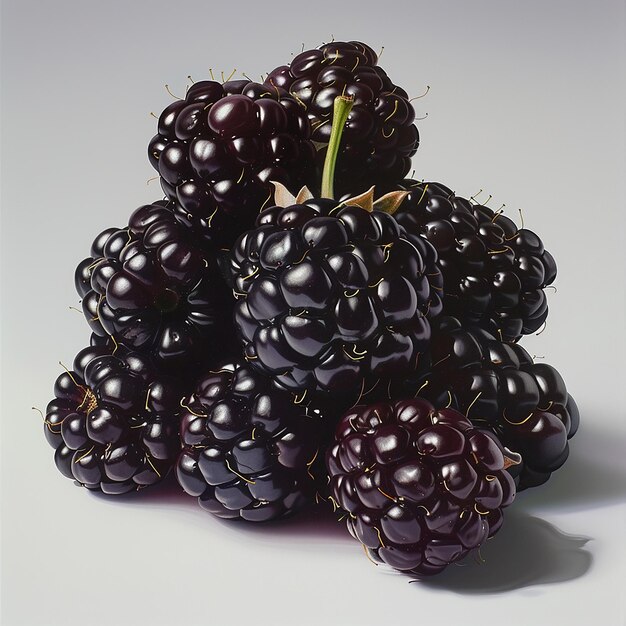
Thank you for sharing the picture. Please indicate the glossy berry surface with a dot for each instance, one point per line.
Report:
(154, 287)
(329, 296)
(113, 422)
(379, 137)
(217, 150)
(247, 447)
(499, 387)
(422, 486)
(494, 272)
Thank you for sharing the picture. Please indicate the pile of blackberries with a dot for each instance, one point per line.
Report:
(274, 345)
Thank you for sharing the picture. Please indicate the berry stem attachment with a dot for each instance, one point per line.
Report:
(341, 110)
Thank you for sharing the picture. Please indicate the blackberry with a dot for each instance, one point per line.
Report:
(114, 421)
(217, 150)
(247, 446)
(494, 272)
(499, 387)
(380, 137)
(154, 287)
(422, 486)
(332, 295)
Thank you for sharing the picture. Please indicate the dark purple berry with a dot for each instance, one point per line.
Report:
(498, 387)
(329, 296)
(421, 487)
(247, 446)
(155, 287)
(379, 137)
(494, 272)
(114, 421)
(217, 150)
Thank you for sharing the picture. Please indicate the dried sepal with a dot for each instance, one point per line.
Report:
(282, 195)
(390, 202)
(364, 200)
(303, 195)
(511, 458)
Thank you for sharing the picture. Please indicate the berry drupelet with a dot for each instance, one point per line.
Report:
(247, 447)
(155, 287)
(422, 486)
(499, 387)
(331, 295)
(114, 421)
(379, 136)
(217, 150)
(494, 272)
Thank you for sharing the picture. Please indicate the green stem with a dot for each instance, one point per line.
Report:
(341, 110)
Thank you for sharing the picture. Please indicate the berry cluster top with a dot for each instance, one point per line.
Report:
(380, 137)
(217, 150)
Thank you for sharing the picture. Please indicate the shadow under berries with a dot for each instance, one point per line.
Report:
(527, 551)
(592, 477)
(167, 492)
(318, 521)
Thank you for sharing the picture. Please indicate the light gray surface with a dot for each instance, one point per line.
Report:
(526, 102)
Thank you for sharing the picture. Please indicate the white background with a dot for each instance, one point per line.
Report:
(527, 102)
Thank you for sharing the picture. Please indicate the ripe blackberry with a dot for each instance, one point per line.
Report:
(499, 387)
(217, 150)
(494, 273)
(153, 287)
(113, 421)
(379, 137)
(247, 446)
(330, 295)
(422, 486)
